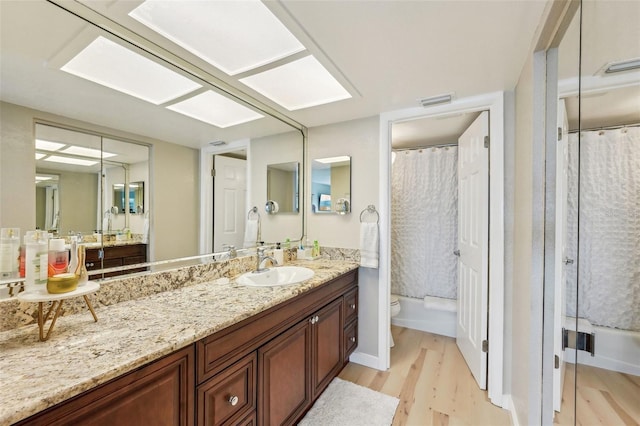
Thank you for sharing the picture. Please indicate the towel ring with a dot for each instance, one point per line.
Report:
(254, 210)
(372, 210)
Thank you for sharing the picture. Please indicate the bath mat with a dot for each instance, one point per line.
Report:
(345, 403)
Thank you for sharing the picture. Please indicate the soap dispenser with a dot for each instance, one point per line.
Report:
(278, 254)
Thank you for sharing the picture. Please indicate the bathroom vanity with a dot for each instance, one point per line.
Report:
(237, 355)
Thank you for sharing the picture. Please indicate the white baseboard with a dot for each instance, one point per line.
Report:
(367, 360)
(507, 404)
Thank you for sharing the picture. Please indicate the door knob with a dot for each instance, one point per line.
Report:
(456, 252)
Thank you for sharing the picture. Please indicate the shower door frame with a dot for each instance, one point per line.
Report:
(501, 208)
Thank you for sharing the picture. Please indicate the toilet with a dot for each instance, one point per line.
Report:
(394, 311)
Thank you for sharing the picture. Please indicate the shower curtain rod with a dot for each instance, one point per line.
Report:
(444, 145)
(593, 129)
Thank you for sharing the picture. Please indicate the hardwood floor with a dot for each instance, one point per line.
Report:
(604, 398)
(435, 387)
(432, 381)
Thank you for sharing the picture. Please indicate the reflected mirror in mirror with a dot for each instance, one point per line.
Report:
(71, 204)
(283, 188)
(331, 185)
(133, 197)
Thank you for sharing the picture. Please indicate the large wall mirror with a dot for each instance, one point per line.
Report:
(36, 91)
(331, 185)
(595, 214)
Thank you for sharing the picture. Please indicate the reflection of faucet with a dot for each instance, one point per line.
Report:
(262, 258)
(232, 253)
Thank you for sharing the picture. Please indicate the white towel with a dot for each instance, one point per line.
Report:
(145, 231)
(369, 244)
(251, 233)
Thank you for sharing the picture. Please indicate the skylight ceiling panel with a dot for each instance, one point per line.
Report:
(213, 108)
(298, 84)
(112, 65)
(234, 36)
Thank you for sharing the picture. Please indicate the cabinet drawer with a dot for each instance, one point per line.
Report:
(350, 339)
(227, 397)
(351, 305)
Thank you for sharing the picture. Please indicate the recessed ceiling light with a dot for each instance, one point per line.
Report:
(298, 84)
(215, 109)
(48, 145)
(87, 152)
(330, 160)
(234, 36)
(43, 178)
(112, 65)
(70, 160)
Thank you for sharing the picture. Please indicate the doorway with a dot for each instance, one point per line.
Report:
(495, 104)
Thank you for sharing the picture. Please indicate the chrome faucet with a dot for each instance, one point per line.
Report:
(261, 258)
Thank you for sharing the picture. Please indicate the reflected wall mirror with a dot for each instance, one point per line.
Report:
(283, 187)
(129, 197)
(331, 185)
(71, 168)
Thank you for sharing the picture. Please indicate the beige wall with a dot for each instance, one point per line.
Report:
(360, 140)
(276, 149)
(174, 201)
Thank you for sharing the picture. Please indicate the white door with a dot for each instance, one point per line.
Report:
(473, 245)
(229, 201)
(560, 285)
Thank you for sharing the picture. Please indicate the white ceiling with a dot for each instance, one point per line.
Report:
(388, 54)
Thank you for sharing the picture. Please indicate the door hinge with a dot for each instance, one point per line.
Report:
(486, 141)
(556, 361)
(213, 172)
(579, 340)
(559, 133)
(485, 346)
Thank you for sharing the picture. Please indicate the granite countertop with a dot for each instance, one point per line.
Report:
(82, 354)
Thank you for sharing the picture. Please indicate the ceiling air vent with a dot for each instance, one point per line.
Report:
(621, 66)
(436, 100)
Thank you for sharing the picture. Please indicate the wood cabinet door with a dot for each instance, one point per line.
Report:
(328, 345)
(161, 393)
(284, 376)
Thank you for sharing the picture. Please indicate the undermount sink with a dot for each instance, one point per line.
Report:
(280, 275)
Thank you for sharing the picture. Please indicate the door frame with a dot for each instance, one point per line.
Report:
(500, 215)
(206, 187)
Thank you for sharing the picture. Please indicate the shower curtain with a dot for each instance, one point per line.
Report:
(424, 222)
(607, 242)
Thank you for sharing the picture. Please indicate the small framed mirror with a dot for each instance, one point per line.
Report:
(131, 199)
(283, 188)
(331, 185)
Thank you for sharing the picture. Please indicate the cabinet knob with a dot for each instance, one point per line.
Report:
(352, 306)
(312, 320)
(353, 339)
(317, 318)
(233, 400)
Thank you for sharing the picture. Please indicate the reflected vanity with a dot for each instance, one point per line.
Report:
(331, 185)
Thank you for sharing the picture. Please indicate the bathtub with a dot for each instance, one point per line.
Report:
(432, 314)
(617, 350)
